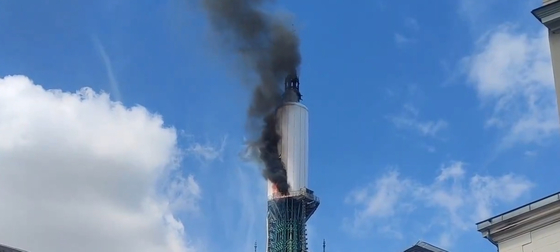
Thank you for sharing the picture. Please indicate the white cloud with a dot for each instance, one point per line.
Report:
(512, 73)
(409, 119)
(81, 173)
(473, 10)
(388, 190)
(481, 15)
(455, 171)
(401, 39)
(380, 199)
(184, 194)
(412, 23)
(428, 148)
(454, 200)
(531, 153)
(207, 152)
(486, 190)
(250, 190)
(115, 90)
(242, 215)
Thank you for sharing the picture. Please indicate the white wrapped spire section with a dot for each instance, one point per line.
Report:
(293, 122)
(294, 126)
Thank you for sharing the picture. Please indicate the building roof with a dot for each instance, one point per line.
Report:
(10, 249)
(424, 247)
(537, 204)
(549, 15)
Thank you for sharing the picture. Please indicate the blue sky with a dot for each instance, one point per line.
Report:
(425, 117)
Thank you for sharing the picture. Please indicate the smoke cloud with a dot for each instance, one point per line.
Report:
(270, 48)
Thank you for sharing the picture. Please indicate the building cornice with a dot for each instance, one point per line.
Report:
(549, 15)
(523, 223)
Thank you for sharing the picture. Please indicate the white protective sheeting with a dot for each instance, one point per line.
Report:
(294, 126)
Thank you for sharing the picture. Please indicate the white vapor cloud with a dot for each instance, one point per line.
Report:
(409, 119)
(511, 72)
(530, 153)
(473, 10)
(412, 23)
(115, 90)
(242, 212)
(184, 194)
(207, 152)
(401, 39)
(454, 199)
(83, 173)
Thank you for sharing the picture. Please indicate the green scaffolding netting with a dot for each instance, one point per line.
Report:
(286, 225)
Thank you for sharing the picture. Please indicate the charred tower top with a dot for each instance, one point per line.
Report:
(288, 214)
(291, 89)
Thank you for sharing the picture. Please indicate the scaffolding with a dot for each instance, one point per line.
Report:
(287, 218)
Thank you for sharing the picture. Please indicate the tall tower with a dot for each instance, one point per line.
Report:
(549, 15)
(288, 214)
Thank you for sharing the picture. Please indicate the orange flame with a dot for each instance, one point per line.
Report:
(275, 192)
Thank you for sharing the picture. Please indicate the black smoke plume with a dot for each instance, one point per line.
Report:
(270, 48)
